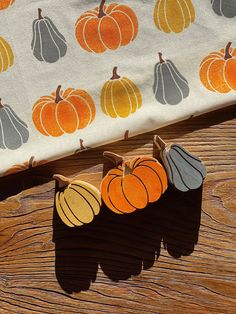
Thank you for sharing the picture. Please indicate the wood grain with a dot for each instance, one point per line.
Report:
(178, 255)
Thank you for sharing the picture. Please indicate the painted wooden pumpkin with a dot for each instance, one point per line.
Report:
(133, 184)
(77, 202)
(185, 171)
(120, 97)
(63, 112)
(4, 4)
(106, 27)
(48, 43)
(225, 8)
(31, 163)
(218, 70)
(170, 87)
(173, 15)
(6, 55)
(13, 131)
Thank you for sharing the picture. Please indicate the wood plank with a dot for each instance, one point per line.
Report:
(176, 255)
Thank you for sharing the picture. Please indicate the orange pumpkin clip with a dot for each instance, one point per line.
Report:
(132, 184)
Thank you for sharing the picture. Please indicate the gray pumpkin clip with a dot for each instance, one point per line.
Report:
(170, 87)
(225, 8)
(13, 131)
(185, 172)
(48, 43)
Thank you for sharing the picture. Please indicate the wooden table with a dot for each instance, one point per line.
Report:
(177, 256)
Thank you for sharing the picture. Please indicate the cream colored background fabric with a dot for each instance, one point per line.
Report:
(29, 79)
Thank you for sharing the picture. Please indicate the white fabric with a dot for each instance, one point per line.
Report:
(29, 79)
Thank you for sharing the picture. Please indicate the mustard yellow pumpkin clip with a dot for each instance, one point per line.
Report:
(77, 202)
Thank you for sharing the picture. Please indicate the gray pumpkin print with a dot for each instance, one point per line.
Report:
(184, 170)
(48, 43)
(13, 131)
(225, 8)
(170, 87)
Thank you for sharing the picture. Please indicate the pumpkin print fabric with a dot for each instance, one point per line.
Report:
(4, 4)
(106, 27)
(226, 8)
(120, 96)
(13, 131)
(6, 55)
(48, 43)
(218, 70)
(63, 112)
(78, 74)
(170, 87)
(173, 15)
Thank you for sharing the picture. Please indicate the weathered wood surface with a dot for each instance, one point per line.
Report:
(177, 256)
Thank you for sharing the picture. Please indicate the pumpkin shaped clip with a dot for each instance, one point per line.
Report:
(185, 171)
(77, 202)
(132, 184)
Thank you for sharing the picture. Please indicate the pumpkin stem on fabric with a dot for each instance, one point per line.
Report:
(62, 181)
(1, 105)
(227, 53)
(160, 57)
(101, 9)
(115, 75)
(82, 144)
(160, 144)
(126, 137)
(40, 14)
(127, 170)
(58, 97)
(116, 159)
(31, 162)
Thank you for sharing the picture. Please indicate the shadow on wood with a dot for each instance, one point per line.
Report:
(124, 245)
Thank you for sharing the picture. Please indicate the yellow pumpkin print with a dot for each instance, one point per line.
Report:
(120, 97)
(6, 55)
(173, 15)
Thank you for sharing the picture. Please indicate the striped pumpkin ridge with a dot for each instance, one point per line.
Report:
(63, 112)
(77, 202)
(120, 97)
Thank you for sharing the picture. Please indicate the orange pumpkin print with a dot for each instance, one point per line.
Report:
(63, 112)
(106, 27)
(133, 184)
(31, 163)
(4, 4)
(218, 70)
